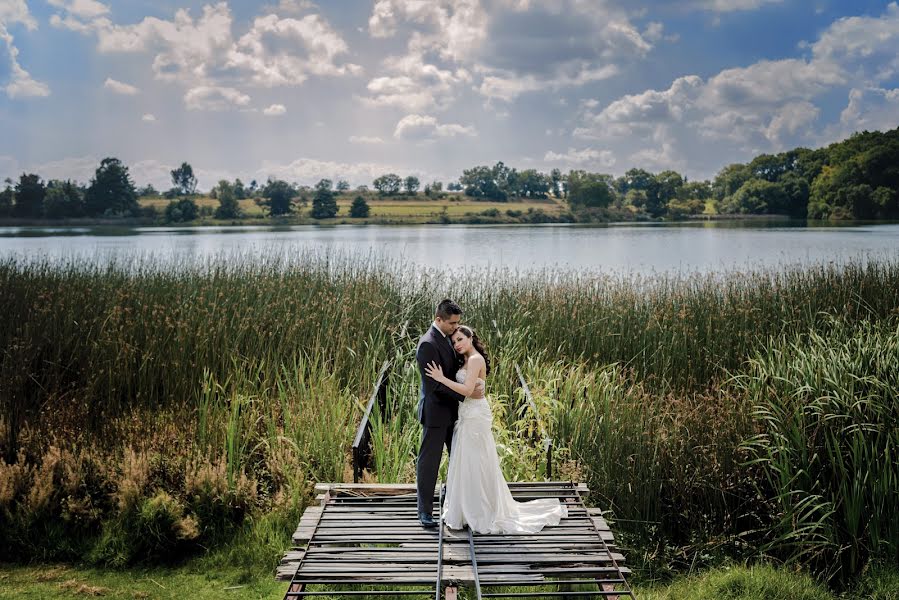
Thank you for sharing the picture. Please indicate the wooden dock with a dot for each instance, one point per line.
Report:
(364, 540)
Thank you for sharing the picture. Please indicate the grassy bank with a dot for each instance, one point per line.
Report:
(197, 580)
(152, 412)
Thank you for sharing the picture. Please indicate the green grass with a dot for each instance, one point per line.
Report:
(416, 209)
(195, 580)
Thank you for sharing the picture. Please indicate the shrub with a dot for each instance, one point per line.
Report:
(179, 211)
(359, 209)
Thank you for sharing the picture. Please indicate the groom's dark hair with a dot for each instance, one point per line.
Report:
(446, 308)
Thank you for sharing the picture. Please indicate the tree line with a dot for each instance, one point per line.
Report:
(857, 178)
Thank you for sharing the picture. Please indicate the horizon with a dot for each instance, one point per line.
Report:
(352, 90)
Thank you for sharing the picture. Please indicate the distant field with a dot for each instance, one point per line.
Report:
(456, 206)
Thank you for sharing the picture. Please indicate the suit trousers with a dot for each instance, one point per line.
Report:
(432, 441)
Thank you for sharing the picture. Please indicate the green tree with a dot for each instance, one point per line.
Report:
(278, 195)
(695, 190)
(484, 182)
(555, 177)
(324, 202)
(530, 183)
(111, 191)
(64, 199)
(589, 190)
(7, 196)
(228, 207)
(148, 190)
(797, 190)
(240, 192)
(30, 192)
(181, 210)
(411, 185)
(756, 197)
(388, 185)
(729, 180)
(668, 186)
(183, 179)
(342, 185)
(359, 209)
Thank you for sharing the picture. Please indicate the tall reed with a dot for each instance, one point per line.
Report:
(828, 404)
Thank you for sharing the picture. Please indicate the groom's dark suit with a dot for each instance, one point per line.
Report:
(438, 409)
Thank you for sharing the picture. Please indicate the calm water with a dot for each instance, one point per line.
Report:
(702, 247)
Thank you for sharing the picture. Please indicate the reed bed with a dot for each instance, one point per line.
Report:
(724, 411)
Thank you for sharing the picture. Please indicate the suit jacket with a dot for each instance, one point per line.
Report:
(438, 406)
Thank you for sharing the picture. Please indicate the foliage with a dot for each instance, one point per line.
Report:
(388, 185)
(30, 192)
(649, 387)
(228, 207)
(111, 191)
(278, 196)
(828, 405)
(359, 209)
(178, 211)
(411, 185)
(64, 199)
(324, 201)
(183, 179)
(589, 190)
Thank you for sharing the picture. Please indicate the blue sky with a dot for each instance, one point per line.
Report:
(348, 89)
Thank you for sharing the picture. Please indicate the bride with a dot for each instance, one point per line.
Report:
(476, 491)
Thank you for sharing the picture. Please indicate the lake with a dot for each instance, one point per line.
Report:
(627, 248)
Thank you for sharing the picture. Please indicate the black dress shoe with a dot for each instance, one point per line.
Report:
(427, 521)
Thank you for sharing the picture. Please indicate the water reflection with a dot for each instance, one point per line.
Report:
(644, 247)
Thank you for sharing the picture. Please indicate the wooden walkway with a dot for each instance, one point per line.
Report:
(364, 540)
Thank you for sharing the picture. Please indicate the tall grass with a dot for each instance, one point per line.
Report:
(206, 393)
(828, 404)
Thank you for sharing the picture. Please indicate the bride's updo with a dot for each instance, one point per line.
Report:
(476, 343)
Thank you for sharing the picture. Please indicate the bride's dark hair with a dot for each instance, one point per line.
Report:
(476, 342)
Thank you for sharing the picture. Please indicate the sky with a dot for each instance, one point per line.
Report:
(347, 89)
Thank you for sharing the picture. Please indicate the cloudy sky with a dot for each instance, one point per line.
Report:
(352, 89)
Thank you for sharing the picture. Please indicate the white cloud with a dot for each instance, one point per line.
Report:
(308, 171)
(660, 158)
(458, 26)
(725, 6)
(507, 86)
(148, 117)
(203, 52)
(426, 127)
(869, 109)
(364, 139)
(275, 110)
(414, 82)
(206, 97)
(868, 46)
(565, 43)
(290, 7)
(82, 9)
(585, 157)
(16, 11)
(20, 84)
(120, 88)
(310, 35)
(641, 111)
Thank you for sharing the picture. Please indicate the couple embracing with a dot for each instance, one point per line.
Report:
(454, 412)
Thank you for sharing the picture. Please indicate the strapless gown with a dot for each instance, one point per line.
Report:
(476, 491)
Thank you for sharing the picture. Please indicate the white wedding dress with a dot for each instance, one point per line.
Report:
(476, 491)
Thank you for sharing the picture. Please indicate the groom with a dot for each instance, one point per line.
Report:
(438, 406)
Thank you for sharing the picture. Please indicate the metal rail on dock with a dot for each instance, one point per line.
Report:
(368, 535)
